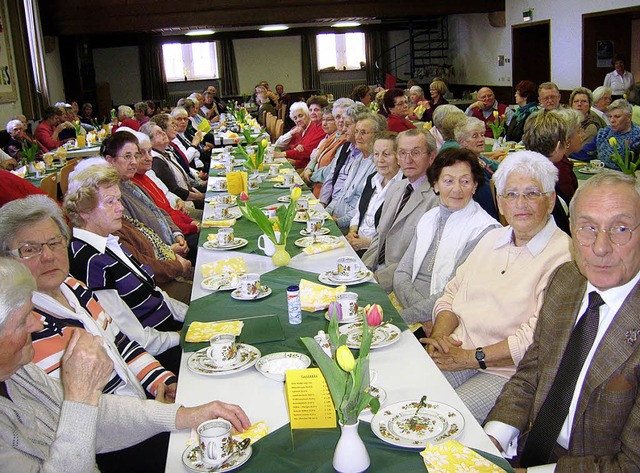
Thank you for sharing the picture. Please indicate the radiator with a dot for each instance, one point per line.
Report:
(175, 96)
(340, 88)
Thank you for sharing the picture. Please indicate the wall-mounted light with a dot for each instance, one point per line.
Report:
(199, 33)
(274, 28)
(345, 24)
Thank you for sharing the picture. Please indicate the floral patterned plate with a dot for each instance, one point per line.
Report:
(322, 239)
(322, 231)
(399, 425)
(384, 335)
(264, 292)
(331, 277)
(192, 459)
(214, 245)
(200, 363)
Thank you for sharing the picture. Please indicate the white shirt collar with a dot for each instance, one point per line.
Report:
(537, 244)
(100, 243)
(614, 297)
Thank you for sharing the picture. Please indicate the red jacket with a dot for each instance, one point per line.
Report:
(397, 124)
(44, 135)
(13, 187)
(309, 139)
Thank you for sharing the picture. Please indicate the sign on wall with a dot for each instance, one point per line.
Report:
(7, 78)
(605, 53)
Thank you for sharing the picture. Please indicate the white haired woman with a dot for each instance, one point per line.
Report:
(601, 101)
(303, 138)
(60, 425)
(484, 322)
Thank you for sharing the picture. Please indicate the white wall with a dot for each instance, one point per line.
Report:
(277, 60)
(53, 70)
(120, 67)
(475, 45)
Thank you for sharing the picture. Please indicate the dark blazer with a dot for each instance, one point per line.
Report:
(365, 198)
(605, 435)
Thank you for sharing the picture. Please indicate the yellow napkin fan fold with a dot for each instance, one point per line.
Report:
(235, 265)
(203, 331)
(453, 457)
(314, 296)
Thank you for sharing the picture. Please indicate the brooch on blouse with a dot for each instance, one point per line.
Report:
(631, 336)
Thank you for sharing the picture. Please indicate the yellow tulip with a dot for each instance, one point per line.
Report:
(345, 359)
(264, 142)
(296, 192)
(495, 113)
(613, 142)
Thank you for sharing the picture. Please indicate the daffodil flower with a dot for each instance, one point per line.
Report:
(345, 359)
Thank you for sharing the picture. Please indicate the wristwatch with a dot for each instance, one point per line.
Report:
(480, 357)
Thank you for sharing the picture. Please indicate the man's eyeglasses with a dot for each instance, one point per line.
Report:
(512, 196)
(31, 250)
(414, 153)
(618, 235)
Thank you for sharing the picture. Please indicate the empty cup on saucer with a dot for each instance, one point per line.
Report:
(249, 285)
(220, 211)
(348, 267)
(596, 164)
(222, 349)
(288, 179)
(225, 236)
(314, 225)
(302, 204)
(215, 441)
(224, 199)
(349, 303)
(274, 170)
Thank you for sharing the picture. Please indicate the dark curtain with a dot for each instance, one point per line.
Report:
(375, 46)
(154, 81)
(30, 100)
(310, 76)
(229, 69)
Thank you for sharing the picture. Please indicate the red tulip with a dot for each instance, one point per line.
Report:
(374, 314)
(244, 196)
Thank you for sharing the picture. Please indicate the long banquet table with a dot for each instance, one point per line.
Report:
(404, 370)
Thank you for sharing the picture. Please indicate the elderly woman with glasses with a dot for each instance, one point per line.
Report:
(580, 100)
(303, 138)
(444, 236)
(35, 233)
(485, 320)
(60, 425)
(397, 107)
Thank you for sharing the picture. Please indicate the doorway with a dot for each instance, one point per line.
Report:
(531, 52)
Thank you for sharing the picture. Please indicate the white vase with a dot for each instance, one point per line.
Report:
(351, 455)
(497, 143)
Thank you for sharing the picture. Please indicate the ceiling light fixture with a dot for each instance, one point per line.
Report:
(345, 24)
(274, 28)
(199, 33)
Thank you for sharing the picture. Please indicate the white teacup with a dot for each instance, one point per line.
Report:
(249, 285)
(227, 199)
(219, 185)
(266, 245)
(349, 303)
(225, 236)
(274, 171)
(222, 349)
(348, 267)
(215, 441)
(314, 225)
(253, 183)
(288, 179)
(39, 173)
(268, 157)
(596, 164)
(302, 204)
(220, 211)
(228, 167)
(270, 212)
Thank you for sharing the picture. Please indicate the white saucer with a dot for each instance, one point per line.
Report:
(220, 282)
(322, 239)
(328, 277)
(200, 363)
(322, 231)
(192, 459)
(214, 245)
(264, 292)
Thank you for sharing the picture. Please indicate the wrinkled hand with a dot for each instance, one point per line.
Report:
(9, 164)
(439, 343)
(456, 359)
(299, 148)
(478, 104)
(208, 146)
(192, 417)
(181, 207)
(86, 368)
(197, 138)
(358, 243)
(295, 129)
(180, 246)
(306, 176)
(351, 236)
(186, 265)
(427, 327)
(166, 393)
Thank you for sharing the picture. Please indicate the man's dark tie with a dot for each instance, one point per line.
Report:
(554, 410)
(383, 244)
(182, 160)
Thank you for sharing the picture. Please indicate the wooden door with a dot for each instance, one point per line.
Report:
(531, 52)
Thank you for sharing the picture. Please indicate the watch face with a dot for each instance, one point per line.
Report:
(479, 355)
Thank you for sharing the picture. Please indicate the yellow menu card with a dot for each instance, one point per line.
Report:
(309, 400)
(237, 182)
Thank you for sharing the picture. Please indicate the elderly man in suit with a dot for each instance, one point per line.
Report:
(404, 205)
(574, 403)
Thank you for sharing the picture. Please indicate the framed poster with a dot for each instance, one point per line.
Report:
(7, 79)
(604, 52)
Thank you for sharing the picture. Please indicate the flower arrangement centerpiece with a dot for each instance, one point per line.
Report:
(281, 223)
(628, 164)
(253, 161)
(348, 381)
(29, 153)
(497, 125)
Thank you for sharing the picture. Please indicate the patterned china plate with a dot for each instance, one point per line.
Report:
(377, 392)
(322, 231)
(234, 212)
(200, 363)
(214, 245)
(399, 425)
(308, 241)
(264, 292)
(330, 278)
(192, 459)
(384, 335)
(345, 320)
(588, 170)
(220, 282)
(280, 185)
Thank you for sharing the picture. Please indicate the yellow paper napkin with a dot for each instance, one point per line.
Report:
(203, 331)
(322, 247)
(237, 182)
(314, 296)
(224, 266)
(453, 457)
(218, 223)
(230, 135)
(255, 432)
(204, 126)
(279, 179)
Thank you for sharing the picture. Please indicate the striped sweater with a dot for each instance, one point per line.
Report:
(105, 271)
(135, 370)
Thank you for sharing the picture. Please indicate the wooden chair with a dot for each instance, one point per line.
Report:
(279, 129)
(282, 113)
(64, 175)
(271, 126)
(49, 184)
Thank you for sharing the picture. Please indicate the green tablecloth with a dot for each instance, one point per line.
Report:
(312, 451)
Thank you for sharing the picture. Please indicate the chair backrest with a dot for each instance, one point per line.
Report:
(282, 113)
(64, 174)
(279, 129)
(49, 184)
(271, 126)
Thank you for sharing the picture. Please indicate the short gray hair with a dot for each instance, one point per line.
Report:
(179, 111)
(298, 107)
(600, 92)
(440, 113)
(431, 141)
(581, 91)
(141, 107)
(342, 103)
(378, 120)
(16, 288)
(529, 164)
(125, 110)
(605, 177)
(572, 118)
(620, 104)
(418, 90)
(12, 125)
(21, 214)
(83, 193)
(465, 129)
(355, 110)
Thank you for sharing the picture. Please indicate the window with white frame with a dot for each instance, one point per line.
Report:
(190, 61)
(342, 51)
